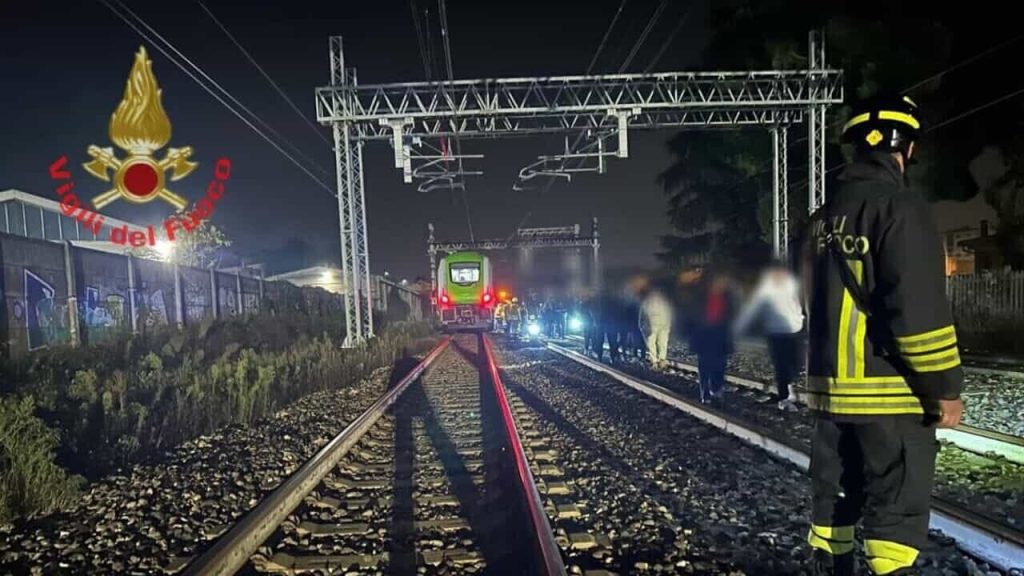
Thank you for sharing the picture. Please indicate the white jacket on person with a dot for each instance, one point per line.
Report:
(776, 302)
(655, 312)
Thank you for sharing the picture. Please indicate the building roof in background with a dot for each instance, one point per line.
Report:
(50, 205)
(326, 277)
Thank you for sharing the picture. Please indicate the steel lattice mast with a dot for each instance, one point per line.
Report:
(615, 103)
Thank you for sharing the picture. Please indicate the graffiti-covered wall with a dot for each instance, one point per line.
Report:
(115, 294)
(35, 293)
(103, 282)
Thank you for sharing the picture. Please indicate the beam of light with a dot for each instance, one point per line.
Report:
(165, 250)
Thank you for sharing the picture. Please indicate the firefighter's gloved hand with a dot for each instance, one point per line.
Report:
(950, 413)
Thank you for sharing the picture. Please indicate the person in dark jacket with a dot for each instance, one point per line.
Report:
(883, 362)
(711, 337)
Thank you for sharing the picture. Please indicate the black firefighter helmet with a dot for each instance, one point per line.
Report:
(887, 124)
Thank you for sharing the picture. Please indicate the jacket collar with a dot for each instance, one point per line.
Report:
(878, 166)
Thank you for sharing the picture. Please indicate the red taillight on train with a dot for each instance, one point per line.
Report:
(445, 299)
(487, 298)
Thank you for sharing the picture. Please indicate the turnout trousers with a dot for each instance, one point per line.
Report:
(878, 472)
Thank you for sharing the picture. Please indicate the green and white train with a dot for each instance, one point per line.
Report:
(465, 292)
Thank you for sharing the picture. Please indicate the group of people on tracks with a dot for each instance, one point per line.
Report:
(882, 361)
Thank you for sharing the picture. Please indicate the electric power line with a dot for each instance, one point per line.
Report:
(942, 124)
(643, 36)
(604, 39)
(668, 41)
(420, 42)
(446, 36)
(975, 110)
(216, 96)
(963, 63)
(217, 85)
(263, 72)
(629, 58)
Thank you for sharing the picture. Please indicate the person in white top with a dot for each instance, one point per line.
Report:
(775, 304)
(656, 324)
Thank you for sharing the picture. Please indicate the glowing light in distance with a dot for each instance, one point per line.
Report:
(575, 323)
(164, 249)
(533, 329)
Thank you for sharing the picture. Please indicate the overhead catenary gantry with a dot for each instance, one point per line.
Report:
(404, 113)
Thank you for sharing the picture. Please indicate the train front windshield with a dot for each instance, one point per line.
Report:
(465, 273)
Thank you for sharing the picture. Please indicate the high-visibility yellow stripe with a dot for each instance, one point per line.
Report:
(879, 399)
(931, 357)
(940, 367)
(938, 343)
(864, 380)
(843, 337)
(834, 540)
(934, 362)
(903, 389)
(871, 410)
(899, 117)
(885, 557)
(883, 115)
(858, 119)
(860, 326)
(922, 336)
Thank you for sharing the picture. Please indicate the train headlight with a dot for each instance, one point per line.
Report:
(575, 323)
(533, 329)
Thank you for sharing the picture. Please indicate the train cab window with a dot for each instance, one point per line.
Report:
(465, 273)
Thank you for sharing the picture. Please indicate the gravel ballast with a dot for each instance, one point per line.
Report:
(155, 517)
(680, 496)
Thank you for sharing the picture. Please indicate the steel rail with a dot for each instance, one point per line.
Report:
(996, 544)
(970, 438)
(975, 363)
(545, 538)
(232, 550)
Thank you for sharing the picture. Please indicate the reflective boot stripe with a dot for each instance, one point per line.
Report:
(832, 539)
(885, 557)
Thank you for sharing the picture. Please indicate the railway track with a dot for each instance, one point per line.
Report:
(976, 535)
(971, 438)
(431, 479)
(978, 363)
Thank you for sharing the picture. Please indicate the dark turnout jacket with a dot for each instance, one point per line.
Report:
(888, 346)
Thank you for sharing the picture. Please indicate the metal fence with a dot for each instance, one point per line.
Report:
(988, 301)
(55, 293)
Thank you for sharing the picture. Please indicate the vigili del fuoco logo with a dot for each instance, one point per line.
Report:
(140, 127)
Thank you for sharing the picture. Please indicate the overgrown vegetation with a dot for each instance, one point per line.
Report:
(91, 411)
(29, 479)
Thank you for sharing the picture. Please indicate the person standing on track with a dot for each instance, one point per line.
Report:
(655, 320)
(711, 338)
(883, 364)
(776, 306)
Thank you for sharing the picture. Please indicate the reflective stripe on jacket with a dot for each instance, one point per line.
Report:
(900, 355)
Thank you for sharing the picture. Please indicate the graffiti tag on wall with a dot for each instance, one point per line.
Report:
(46, 320)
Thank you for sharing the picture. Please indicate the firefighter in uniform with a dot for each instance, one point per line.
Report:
(883, 363)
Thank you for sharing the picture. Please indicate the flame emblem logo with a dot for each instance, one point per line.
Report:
(140, 127)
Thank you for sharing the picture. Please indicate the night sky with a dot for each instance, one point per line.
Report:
(64, 67)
